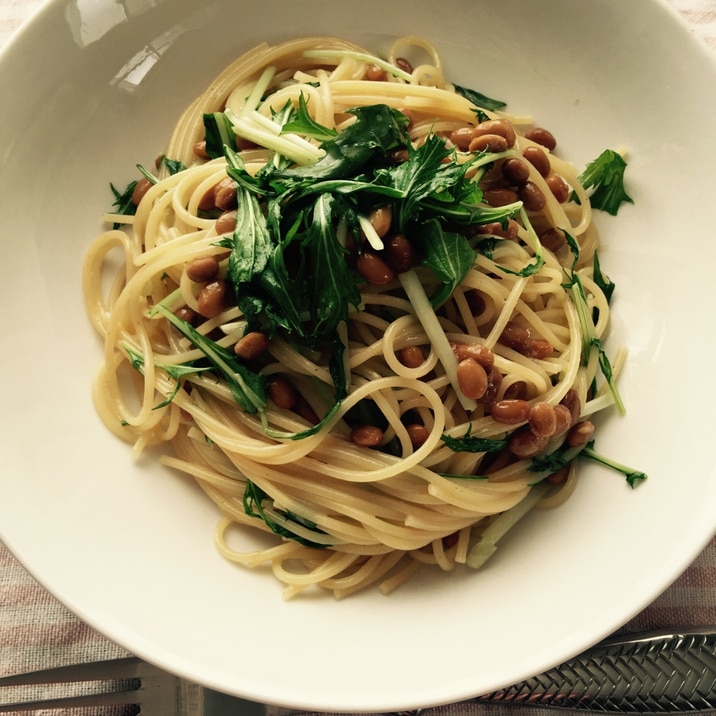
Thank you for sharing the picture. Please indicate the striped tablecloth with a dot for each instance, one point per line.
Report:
(37, 632)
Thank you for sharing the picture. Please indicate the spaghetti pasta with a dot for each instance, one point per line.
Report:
(375, 395)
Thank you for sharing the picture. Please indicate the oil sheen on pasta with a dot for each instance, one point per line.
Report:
(397, 434)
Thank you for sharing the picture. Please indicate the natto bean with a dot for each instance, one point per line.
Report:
(367, 436)
(417, 433)
(482, 354)
(226, 223)
(572, 402)
(199, 150)
(461, 137)
(494, 381)
(538, 159)
(558, 187)
(381, 219)
(225, 194)
(202, 268)
(560, 477)
(488, 143)
(516, 391)
(399, 253)
(500, 196)
(516, 336)
(542, 419)
(186, 314)
(373, 269)
(411, 356)
(403, 63)
(252, 345)
(495, 228)
(563, 419)
(525, 444)
(539, 349)
(510, 412)
(374, 73)
(541, 136)
(552, 239)
(471, 378)
(497, 126)
(210, 301)
(515, 171)
(142, 186)
(282, 393)
(532, 196)
(580, 433)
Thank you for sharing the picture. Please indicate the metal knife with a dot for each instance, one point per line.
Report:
(653, 672)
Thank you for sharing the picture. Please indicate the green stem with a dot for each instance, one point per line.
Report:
(424, 312)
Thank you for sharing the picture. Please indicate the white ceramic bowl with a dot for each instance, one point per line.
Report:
(91, 87)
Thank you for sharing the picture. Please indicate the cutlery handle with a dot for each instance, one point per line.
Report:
(650, 673)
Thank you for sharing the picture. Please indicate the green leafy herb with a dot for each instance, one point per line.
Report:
(253, 501)
(605, 284)
(590, 340)
(606, 368)
(147, 174)
(479, 99)
(247, 388)
(236, 169)
(301, 434)
(471, 443)
(573, 247)
(136, 359)
(173, 370)
(530, 269)
(551, 462)
(605, 176)
(219, 132)
(174, 166)
(331, 286)
(633, 477)
(257, 270)
(448, 255)
(377, 131)
(533, 266)
(282, 296)
(306, 126)
(548, 464)
(251, 246)
(123, 201)
(470, 211)
(425, 174)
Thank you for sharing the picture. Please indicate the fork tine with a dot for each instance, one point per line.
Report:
(126, 668)
(112, 698)
(155, 688)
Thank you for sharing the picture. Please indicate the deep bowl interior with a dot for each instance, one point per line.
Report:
(96, 87)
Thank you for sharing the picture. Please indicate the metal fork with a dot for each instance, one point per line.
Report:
(132, 682)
